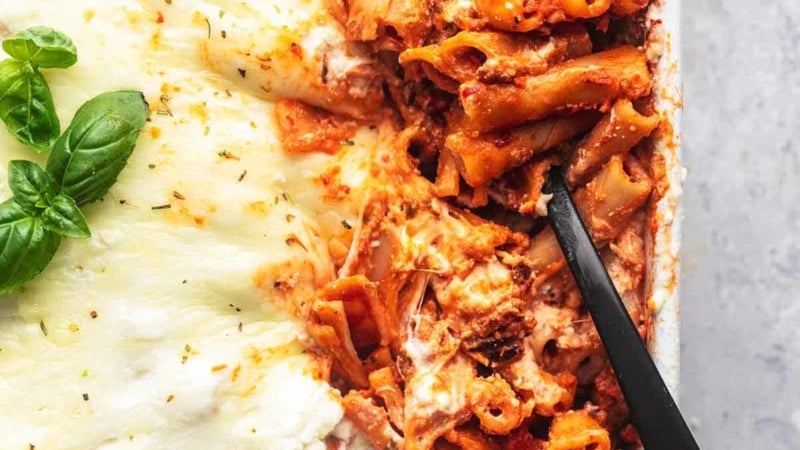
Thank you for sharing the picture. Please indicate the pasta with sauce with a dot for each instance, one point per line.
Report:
(452, 321)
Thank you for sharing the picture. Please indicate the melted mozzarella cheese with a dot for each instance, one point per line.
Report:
(309, 61)
(164, 331)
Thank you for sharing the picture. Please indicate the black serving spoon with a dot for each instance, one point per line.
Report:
(653, 410)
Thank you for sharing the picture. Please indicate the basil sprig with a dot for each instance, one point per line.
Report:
(84, 164)
(26, 104)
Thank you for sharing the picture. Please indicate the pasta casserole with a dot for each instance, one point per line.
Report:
(319, 224)
(452, 321)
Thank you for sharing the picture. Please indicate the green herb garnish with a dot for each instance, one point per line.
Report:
(43, 46)
(27, 246)
(85, 161)
(26, 104)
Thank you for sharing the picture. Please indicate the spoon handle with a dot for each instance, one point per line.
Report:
(654, 412)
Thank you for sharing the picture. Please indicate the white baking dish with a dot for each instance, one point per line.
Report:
(662, 283)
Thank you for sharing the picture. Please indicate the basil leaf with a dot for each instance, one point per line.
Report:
(33, 188)
(26, 247)
(26, 105)
(42, 45)
(87, 159)
(64, 218)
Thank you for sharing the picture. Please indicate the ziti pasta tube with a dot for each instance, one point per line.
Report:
(582, 83)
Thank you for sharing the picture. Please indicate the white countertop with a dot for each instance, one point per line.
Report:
(741, 258)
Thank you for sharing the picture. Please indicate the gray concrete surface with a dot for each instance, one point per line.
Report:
(741, 274)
